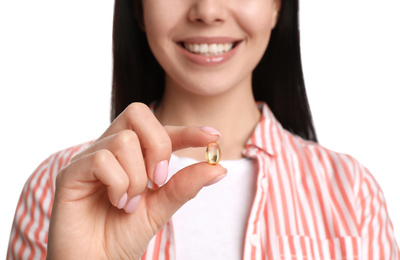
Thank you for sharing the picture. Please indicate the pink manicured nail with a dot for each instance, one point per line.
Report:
(161, 173)
(210, 130)
(132, 205)
(122, 201)
(216, 180)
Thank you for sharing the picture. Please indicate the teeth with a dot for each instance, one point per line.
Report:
(208, 49)
(203, 48)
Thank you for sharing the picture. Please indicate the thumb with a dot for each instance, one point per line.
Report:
(181, 188)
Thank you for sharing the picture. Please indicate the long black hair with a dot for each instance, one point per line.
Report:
(277, 79)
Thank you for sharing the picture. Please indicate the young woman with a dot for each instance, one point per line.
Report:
(182, 70)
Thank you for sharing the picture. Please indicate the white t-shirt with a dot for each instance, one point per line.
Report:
(198, 229)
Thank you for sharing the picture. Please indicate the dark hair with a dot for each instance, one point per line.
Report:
(277, 79)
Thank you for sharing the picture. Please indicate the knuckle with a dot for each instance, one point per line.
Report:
(101, 157)
(121, 181)
(135, 108)
(126, 138)
(157, 152)
(165, 144)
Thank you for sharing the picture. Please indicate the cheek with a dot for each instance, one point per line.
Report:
(153, 21)
(160, 16)
(156, 28)
(156, 20)
(256, 17)
(160, 25)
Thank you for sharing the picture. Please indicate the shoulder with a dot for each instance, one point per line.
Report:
(339, 169)
(336, 178)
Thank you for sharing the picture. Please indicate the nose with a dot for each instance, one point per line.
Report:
(209, 12)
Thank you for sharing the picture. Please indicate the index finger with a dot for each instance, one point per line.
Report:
(158, 142)
(191, 136)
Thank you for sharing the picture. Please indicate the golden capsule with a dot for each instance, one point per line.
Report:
(213, 153)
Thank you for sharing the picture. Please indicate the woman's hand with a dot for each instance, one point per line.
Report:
(103, 207)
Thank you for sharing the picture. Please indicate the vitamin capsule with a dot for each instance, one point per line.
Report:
(213, 153)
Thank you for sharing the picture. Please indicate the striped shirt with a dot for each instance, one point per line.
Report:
(310, 203)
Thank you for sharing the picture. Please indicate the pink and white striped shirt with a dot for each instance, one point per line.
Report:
(310, 203)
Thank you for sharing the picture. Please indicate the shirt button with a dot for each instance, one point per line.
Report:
(254, 239)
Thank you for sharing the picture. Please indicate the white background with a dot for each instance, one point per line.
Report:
(55, 83)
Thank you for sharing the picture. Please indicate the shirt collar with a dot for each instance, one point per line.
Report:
(266, 135)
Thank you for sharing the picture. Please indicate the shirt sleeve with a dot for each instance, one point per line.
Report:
(28, 238)
(376, 228)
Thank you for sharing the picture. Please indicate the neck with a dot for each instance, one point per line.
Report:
(234, 114)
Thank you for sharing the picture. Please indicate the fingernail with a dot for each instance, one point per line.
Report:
(132, 205)
(210, 130)
(161, 173)
(122, 201)
(216, 180)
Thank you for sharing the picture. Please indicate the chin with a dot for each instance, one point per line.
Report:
(208, 90)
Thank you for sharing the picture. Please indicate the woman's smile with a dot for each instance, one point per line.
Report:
(208, 50)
